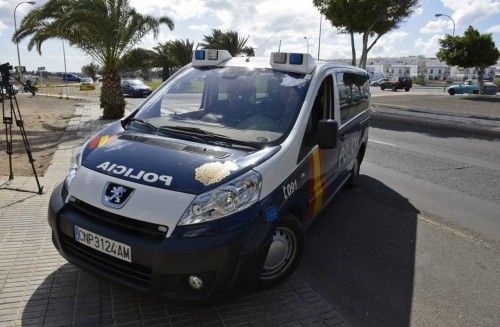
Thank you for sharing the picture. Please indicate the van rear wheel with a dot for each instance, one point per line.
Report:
(284, 252)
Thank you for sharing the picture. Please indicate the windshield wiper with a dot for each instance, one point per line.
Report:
(143, 123)
(209, 136)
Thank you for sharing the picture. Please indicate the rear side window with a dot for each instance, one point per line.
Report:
(353, 89)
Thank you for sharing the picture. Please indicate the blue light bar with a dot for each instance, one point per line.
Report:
(296, 58)
(199, 54)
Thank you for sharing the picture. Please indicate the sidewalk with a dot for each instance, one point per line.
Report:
(38, 287)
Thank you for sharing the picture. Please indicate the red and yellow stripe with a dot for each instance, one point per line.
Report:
(317, 186)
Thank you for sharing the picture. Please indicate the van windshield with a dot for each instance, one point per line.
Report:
(239, 103)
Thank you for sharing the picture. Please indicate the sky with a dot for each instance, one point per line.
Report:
(266, 22)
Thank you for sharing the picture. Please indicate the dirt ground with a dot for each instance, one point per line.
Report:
(45, 120)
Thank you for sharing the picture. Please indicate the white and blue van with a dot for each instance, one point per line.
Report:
(211, 182)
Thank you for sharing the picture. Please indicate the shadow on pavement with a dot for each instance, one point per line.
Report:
(482, 98)
(360, 254)
(428, 129)
(72, 297)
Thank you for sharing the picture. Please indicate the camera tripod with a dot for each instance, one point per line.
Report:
(12, 115)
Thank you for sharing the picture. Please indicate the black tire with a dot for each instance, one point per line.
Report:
(289, 232)
(382, 87)
(394, 88)
(451, 91)
(352, 182)
(407, 89)
(475, 92)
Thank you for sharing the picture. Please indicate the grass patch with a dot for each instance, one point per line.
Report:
(154, 84)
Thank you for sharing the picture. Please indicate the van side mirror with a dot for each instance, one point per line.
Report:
(328, 134)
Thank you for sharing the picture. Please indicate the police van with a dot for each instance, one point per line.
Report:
(211, 182)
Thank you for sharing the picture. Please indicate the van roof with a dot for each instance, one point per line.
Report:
(263, 62)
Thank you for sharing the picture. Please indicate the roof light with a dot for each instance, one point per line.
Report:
(280, 57)
(292, 62)
(209, 57)
(296, 58)
(212, 54)
(199, 54)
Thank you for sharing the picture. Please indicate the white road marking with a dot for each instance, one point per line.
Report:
(380, 142)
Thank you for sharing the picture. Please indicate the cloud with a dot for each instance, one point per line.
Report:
(388, 45)
(436, 26)
(494, 29)
(2, 27)
(202, 27)
(429, 47)
(418, 11)
(467, 12)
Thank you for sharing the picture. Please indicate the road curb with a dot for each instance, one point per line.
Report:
(381, 119)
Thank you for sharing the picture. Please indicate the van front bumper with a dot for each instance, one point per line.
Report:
(224, 255)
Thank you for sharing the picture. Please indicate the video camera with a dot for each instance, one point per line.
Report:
(5, 73)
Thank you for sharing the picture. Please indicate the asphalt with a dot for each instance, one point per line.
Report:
(418, 241)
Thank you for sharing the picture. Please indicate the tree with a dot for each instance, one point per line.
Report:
(471, 50)
(91, 70)
(174, 54)
(138, 59)
(370, 18)
(181, 52)
(230, 41)
(104, 29)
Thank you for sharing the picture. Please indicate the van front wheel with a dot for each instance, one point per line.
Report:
(353, 180)
(284, 252)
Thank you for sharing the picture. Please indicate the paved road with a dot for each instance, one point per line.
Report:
(418, 241)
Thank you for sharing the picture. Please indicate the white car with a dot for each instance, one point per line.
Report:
(87, 81)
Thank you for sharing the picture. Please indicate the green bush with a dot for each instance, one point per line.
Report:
(418, 79)
(497, 82)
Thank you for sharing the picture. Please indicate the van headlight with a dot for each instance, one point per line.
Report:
(73, 169)
(225, 200)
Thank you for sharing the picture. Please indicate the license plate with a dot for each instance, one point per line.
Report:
(103, 244)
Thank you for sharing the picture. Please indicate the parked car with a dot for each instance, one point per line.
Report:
(135, 88)
(87, 81)
(472, 87)
(397, 83)
(378, 82)
(87, 84)
(71, 78)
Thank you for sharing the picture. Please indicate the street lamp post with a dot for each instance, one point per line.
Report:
(453, 21)
(17, 42)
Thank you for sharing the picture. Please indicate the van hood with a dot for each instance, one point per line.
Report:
(167, 163)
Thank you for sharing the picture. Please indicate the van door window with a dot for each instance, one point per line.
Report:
(322, 109)
(353, 92)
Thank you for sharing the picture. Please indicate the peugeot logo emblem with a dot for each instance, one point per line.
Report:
(115, 195)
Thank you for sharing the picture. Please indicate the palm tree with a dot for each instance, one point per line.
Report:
(138, 59)
(229, 41)
(181, 52)
(163, 59)
(173, 54)
(104, 29)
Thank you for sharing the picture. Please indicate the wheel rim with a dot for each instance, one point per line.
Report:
(281, 254)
